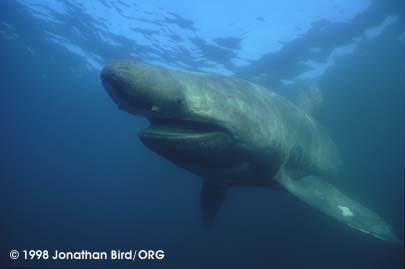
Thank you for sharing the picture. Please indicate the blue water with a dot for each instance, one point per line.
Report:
(74, 176)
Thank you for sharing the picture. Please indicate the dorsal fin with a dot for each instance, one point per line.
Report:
(309, 97)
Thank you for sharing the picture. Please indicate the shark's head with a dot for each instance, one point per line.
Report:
(190, 122)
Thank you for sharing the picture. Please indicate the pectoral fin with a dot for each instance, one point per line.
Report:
(212, 197)
(332, 202)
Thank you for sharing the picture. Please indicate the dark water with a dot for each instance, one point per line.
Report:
(74, 175)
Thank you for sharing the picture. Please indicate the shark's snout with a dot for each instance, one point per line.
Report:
(117, 85)
(142, 89)
(126, 84)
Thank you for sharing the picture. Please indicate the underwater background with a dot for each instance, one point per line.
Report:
(74, 176)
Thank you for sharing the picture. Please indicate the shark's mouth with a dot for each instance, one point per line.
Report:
(191, 144)
(164, 128)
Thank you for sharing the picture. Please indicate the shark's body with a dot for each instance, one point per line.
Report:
(232, 132)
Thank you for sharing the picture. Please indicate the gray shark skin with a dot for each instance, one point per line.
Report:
(235, 133)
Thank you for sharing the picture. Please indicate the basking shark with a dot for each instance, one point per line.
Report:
(232, 132)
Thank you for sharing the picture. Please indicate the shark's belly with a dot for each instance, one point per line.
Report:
(242, 174)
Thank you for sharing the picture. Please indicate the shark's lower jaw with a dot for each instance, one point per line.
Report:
(194, 145)
(164, 128)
